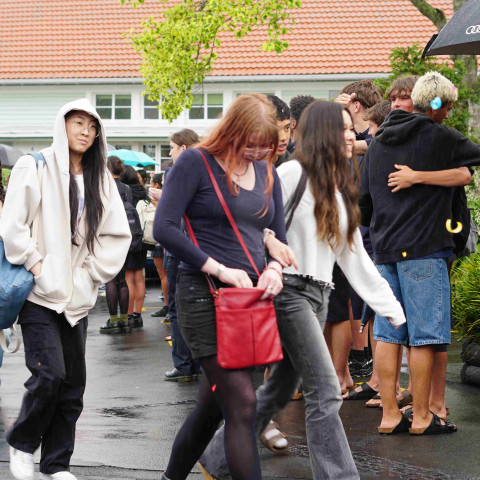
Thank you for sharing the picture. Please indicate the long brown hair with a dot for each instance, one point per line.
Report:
(320, 149)
(251, 117)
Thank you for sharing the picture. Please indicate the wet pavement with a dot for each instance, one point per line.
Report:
(131, 416)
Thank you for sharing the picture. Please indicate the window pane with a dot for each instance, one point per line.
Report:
(150, 150)
(215, 99)
(104, 100)
(121, 146)
(197, 99)
(123, 100)
(197, 113)
(105, 113)
(214, 112)
(122, 113)
(149, 103)
(151, 113)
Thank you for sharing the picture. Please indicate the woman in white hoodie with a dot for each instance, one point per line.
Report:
(82, 241)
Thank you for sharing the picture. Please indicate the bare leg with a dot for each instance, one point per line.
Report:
(386, 359)
(437, 392)
(339, 338)
(162, 273)
(131, 290)
(139, 288)
(421, 363)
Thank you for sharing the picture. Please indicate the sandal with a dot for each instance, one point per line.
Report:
(406, 400)
(409, 413)
(436, 427)
(366, 393)
(374, 402)
(274, 439)
(401, 427)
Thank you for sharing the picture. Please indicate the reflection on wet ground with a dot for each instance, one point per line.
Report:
(132, 415)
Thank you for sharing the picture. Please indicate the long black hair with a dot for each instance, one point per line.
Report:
(93, 166)
(2, 189)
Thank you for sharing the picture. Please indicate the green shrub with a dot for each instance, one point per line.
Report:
(466, 296)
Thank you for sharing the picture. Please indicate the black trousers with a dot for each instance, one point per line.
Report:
(55, 356)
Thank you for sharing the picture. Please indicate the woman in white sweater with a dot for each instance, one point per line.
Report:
(323, 230)
(82, 241)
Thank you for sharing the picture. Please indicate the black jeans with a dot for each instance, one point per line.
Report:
(55, 356)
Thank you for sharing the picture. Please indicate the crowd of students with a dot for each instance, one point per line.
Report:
(343, 207)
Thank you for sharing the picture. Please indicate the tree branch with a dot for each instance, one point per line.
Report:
(435, 15)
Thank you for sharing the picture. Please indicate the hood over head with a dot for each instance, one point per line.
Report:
(400, 125)
(60, 140)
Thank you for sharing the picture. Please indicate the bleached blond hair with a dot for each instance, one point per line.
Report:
(430, 86)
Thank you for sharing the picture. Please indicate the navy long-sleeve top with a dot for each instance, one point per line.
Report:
(189, 190)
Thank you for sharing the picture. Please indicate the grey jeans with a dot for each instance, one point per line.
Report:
(301, 312)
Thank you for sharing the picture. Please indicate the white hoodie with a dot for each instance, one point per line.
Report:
(70, 275)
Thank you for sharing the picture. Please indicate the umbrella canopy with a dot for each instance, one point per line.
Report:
(135, 159)
(461, 35)
(9, 155)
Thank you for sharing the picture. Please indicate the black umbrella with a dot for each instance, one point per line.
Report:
(9, 155)
(461, 35)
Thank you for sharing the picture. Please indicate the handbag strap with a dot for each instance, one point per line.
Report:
(193, 238)
(228, 213)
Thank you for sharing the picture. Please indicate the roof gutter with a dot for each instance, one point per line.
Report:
(323, 77)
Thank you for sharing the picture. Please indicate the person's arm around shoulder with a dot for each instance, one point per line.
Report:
(19, 210)
(405, 177)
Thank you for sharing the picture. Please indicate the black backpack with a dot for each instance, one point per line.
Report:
(134, 224)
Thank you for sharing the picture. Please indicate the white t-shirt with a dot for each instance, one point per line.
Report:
(81, 196)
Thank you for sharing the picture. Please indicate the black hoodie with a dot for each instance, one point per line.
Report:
(410, 223)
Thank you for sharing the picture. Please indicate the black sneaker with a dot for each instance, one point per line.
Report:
(175, 376)
(137, 322)
(110, 327)
(124, 326)
(161, 313)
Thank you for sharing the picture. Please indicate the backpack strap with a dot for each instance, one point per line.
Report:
(296, 197)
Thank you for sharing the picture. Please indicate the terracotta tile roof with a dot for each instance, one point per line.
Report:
(83, 39)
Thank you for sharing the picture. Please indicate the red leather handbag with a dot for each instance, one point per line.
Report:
(247, 331)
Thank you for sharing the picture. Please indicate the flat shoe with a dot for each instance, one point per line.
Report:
(366, 393)
(401, 427)
(374, 402)
(436, 427)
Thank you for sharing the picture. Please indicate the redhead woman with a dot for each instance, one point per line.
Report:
(239, 151)
(323, 229)
(83, 239)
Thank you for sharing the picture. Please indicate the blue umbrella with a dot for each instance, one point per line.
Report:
(133, 158)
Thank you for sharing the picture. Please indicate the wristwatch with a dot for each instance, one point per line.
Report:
(220, 270)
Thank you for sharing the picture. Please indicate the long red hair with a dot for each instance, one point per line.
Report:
(250, 119)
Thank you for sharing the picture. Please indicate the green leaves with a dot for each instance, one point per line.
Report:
(178, 50)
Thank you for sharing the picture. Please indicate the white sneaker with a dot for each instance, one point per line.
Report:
(57, 476)
(21, 464)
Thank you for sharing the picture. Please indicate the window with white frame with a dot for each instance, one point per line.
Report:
(150, 109)
(206, 106)
(114, 106)
(165, 158)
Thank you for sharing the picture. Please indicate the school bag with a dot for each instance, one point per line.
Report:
(146, 211)
(16, 281)
(134, 224)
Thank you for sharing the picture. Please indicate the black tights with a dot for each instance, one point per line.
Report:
(117, 293)
(234, 400)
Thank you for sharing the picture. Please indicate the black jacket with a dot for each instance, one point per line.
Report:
(410, 223)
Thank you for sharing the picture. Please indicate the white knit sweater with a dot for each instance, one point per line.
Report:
(316, 258)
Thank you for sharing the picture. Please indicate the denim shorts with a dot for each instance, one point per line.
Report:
(423, 289)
